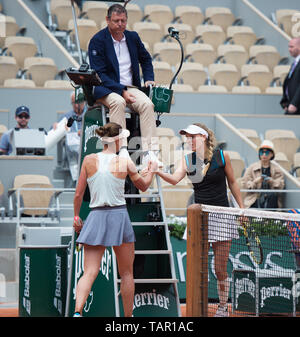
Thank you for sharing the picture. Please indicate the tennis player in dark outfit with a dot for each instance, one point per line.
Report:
(108, 223)
(208, 169)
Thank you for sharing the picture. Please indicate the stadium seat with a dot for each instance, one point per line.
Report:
(186, 33)
(284, 141)
(193, 74)
(224, 74)
(221, 16)
(96, 11)
(58, 84)
(191, 15)
(167, 51)
(245, 89)
(280, 72)
(173, 200)
(274, 90)
(86, 30)
(134, 12)
(256, 75)
(19, 83)
(210, 34)
(149, 32)
(241, 35)
(8, 68)
(9, 26)
(233, 54)
(284, 19)
(237, 163)
(162, 72)
(252, 135)
(201, 53)
(40, 69)
(168, 143)
(208, 89)
(62, 12)
(37, 199)
(264, 54)
(20, 47)
(179, 87)
(282, 160)
(161, 14)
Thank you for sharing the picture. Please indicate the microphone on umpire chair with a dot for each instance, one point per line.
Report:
(70, 122)
(173, 32)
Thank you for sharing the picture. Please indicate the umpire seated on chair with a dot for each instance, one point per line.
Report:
(116, 54)
(263, 175)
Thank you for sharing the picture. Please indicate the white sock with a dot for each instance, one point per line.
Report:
(223, 290)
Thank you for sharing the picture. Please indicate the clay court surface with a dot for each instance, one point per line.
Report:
(13, 311)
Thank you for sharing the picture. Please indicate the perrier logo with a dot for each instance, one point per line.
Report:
(274, 291)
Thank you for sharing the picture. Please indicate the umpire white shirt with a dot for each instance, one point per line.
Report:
(124, 60)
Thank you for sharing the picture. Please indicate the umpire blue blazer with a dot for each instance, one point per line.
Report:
(103, 59)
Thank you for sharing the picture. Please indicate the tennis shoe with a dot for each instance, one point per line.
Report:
(77, 314)
(222, 311)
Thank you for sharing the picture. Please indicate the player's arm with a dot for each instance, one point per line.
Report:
(80, 189)
(177, 176)
(142, 183)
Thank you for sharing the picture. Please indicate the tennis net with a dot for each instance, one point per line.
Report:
(249, 258)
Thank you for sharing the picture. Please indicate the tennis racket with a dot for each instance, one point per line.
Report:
(253, 242)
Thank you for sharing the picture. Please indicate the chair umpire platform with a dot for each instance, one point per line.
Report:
(155, 280)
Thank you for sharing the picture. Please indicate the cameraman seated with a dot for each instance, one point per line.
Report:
(263, 175)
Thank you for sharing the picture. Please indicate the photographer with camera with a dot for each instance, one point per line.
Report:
(263, 175)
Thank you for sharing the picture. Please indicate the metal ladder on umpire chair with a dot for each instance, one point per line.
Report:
(156, 292)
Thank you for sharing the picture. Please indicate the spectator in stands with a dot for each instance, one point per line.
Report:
(263, 175)
(108, 223)
(22, 117)
(290, 101)
(116, 53)
(208, 169)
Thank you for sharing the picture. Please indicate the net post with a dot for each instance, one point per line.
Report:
(197, 262)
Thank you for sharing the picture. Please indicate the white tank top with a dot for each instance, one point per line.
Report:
(105, 188)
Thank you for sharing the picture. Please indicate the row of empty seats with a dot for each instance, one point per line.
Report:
(224, 74)
(60, 11)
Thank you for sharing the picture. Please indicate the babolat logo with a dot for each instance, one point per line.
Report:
(90, 132)
(244, 285)
(26, 293)
(275, 291)
(153, 298)
(57, 296)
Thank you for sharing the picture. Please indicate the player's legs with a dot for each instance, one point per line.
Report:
(92, 260)
(144, 106)
(221, 253)
(116, 105)
(125, 258)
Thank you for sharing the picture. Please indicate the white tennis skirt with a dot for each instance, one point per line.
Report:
(222, 227)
